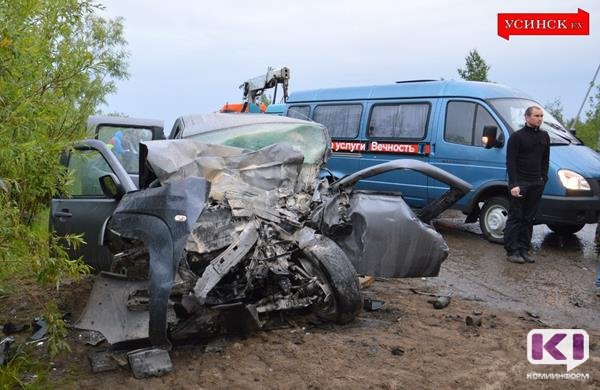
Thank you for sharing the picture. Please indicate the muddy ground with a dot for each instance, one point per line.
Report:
(407, 343)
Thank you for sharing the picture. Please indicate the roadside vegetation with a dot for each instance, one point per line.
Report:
(58, 61)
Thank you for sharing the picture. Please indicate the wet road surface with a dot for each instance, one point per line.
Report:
(558, 287)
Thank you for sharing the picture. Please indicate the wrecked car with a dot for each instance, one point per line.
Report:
(233, 224)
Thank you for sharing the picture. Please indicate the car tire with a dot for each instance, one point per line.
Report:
(565, 229)
(492, 218)
(331, 266)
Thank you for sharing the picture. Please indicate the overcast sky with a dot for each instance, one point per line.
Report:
(190, 57)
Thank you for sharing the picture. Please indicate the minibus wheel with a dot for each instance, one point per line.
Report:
(492, 218)
(566, 229)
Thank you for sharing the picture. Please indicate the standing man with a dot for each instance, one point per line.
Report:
(527, 157)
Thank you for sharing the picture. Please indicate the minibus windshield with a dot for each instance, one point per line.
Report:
(512, 112)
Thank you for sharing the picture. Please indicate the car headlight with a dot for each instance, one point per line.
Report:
(572, 180)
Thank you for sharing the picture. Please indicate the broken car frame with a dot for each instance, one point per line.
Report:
(234, 223)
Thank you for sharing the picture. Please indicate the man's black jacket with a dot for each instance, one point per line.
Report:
(527, 156)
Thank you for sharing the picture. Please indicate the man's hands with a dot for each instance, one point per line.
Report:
(516, 192)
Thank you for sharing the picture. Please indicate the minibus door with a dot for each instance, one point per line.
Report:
(459, 149)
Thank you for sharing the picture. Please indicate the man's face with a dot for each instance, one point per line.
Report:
(536, 118)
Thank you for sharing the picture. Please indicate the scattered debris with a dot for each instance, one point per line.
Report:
(397, 351)
(5, 348)
(90, 337)
(28, 378)
(121, 358)
(366, 281)
(149, 362)
(440, 302)
(532, 314)
(10, 328)
(534, 320)
(473, 321)
(372, 304)
(102, 361)
(40, 329)
(576, 302)
(415, 291)
(216, 346)
(477, 312)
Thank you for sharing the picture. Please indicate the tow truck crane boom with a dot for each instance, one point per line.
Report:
(255, 87)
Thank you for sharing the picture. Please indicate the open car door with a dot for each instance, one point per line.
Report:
(88, 208)
(380, 234)
(123, 137)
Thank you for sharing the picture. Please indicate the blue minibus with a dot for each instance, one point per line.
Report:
(442, 123)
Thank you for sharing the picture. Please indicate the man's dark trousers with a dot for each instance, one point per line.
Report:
(521, 214)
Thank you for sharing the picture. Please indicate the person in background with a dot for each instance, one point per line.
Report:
(527, 158)
(117, 143)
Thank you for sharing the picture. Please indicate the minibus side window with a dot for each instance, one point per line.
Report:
(299, 112)
(342, 120)
(459, 122)
(407, 121)
(465, 122)
(482, 119)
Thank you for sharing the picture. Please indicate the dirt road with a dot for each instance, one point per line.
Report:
(407, 343)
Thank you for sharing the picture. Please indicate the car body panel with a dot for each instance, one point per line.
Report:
(87, 213)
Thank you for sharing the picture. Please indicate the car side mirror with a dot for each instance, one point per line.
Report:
(111, 187)
(489, 138)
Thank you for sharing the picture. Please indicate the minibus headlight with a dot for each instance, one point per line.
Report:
(572, 180)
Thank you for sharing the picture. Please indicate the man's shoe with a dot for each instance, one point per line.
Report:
(527, 257)
(515, 258)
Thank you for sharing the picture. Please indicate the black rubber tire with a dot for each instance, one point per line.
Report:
(492, 218)
(565, 229)
(341, 277)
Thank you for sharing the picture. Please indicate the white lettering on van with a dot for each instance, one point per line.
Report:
(343, 146)
(393, 148)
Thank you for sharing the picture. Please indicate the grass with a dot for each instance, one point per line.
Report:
(29, 283)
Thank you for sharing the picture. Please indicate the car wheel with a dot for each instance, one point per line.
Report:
(566, 229)
(328, 262)
(492, 218)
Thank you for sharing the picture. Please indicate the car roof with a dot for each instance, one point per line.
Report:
(203, 123)
(410, 89)
(94, 121)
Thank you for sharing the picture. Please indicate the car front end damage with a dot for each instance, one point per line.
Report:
(226, 237)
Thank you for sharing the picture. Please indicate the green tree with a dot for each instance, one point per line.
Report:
(556, 109)
(58, 61)
(265, 99)
(476, 69)
(589, 131)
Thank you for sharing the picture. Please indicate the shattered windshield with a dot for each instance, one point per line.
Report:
(310, 139)
(513, 113)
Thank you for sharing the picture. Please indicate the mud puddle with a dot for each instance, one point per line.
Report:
(558, 287)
